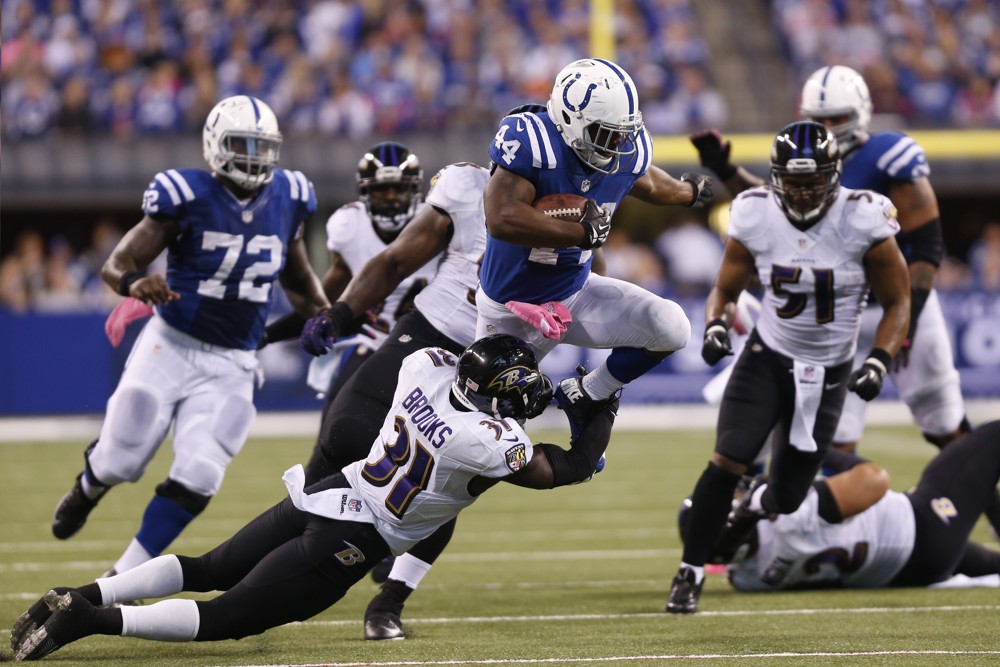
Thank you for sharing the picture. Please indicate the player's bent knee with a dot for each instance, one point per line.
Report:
(193, 502)
(135, 412)
(232, 423)
(202, 474)
(670, 327)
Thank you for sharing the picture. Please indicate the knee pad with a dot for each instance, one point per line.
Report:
(131, 434)
(669, 326)
(195, 503)
(231, 423)
(134, 413)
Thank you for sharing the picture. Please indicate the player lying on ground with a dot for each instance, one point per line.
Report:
(454, 432)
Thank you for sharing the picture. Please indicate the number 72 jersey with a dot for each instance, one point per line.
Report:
(228, 252)
(815, 285)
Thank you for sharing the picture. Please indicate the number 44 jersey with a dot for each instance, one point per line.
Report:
(417, 475)
(228, 251)
(814, 280)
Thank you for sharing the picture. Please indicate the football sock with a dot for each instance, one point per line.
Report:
(699, 571)
(710, 505)
(135, 555)
(167, 620)
(156, 578)
(628, 363)
(600, 383)
(91, 487)
(409, 569)
(163, 521)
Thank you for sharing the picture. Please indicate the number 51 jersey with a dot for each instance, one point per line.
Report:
(228, 252)
(815, 285)
(417, 474)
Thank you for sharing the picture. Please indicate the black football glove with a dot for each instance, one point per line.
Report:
(716, 344)
(866, 381)
(714, 153)
(597, 222)
(702, 185)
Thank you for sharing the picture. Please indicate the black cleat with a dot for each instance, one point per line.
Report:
(381, 571)
(72, 511)
(383, 625)
(579, 407)
(70, 619)
(32, 619)
(740, 525)
(684, 592)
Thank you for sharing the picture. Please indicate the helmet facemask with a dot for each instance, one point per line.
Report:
(248, 160)
(805, 172)
(390, 180)
(241, 141)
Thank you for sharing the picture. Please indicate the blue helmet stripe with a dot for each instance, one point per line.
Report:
(826, 77)
(621, 75)
(256, 111)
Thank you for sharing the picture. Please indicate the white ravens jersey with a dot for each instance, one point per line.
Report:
(449, 301)
(351, 234)
(814, 280)
(417, 474)
(802, 550)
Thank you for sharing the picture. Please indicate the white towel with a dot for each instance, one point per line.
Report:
(322, 371)
(345, 504)
(808, 394)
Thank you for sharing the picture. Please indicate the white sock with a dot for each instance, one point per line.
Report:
(155, 578)
(409, 569)
(90, 490)
(699, 572)
(134, 556)
(167, 621)
(600, 383)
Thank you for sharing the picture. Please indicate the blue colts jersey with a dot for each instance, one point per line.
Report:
(530, 146)
(228, 253)
(886, 158)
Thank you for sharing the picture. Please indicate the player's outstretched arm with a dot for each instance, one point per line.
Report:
(713, 153)
(511, 217)
(553, 466)
(124, 269)
(419, 242)
(658, 187)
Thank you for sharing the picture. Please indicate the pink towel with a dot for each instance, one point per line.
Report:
(550, 318)
(127, 311)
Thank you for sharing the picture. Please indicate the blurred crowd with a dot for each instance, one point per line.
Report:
(50, 275)
(930, 63)
(335, 67)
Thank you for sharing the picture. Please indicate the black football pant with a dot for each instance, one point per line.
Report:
(954, 490)
(759, 397)
(285, 565)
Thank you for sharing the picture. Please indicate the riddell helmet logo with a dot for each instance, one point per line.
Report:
(516, 377)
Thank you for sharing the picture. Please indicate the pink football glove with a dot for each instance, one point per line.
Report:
(127, 311)
(551, 318)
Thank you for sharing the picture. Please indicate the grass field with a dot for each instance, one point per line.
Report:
(565, 577)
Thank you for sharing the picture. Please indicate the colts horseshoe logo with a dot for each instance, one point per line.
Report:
(586, 96)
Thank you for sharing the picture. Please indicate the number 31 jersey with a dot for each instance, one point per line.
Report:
(814, 280)
(228, 252)
(417, 474)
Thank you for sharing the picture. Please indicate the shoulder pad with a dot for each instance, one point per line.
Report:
(300, 188)
(523, 143)
(458, 186)
(171, 190)
(867, 209)
(897, 155)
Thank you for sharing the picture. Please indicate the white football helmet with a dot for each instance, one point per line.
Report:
(839, 91)
(595, 107)
(242, 141)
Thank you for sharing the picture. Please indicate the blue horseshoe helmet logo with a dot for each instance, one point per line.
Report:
(586, 96)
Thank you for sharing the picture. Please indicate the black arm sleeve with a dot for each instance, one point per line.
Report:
(828, 509)
(836, 460)
(580, 461)
(923, 244)
(284, 328)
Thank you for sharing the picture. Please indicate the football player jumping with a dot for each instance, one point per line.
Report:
(229, 233)
(590, 141)
(817, 247)
(454, 431)
(894, 165)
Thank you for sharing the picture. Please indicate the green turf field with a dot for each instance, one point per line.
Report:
(573, 576)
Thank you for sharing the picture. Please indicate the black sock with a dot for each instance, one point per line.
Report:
(390, 598)
(710, 505)
(92, 593)
(108, 621)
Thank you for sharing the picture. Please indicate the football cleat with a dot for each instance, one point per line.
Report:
(739, 526)
(67, 622)
(684, 592)
(383, 625)
(31, 620)
(579, 407)
(72, 511)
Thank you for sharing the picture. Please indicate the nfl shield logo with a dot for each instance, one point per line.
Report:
(585, 185)
(248, 216)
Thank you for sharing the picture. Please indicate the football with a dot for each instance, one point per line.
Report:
(563, 206)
